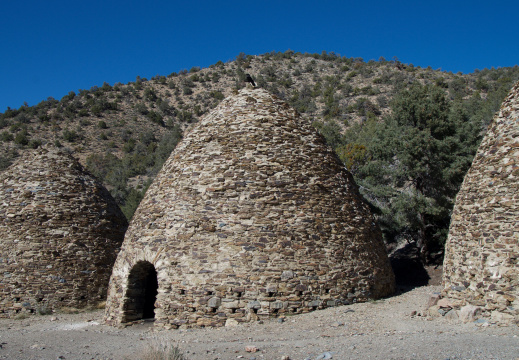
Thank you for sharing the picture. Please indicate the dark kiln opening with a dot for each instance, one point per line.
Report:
(139, 302)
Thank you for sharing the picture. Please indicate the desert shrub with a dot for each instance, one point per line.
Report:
(129, 145)
(3, 122)
(162, 80)
(351, 75)
(165, 107)
(481, 84)
(440, 81)
(22, 137)
(217, 95)
(159, 350)
(147, 137)
(6, 137)
(156, 118)
(70, 96)
(382, 101)
(35, 143)
(103, 105)
(23, 118)
(84, 122)
(70, 135)
(458, 87)
(9, 113)
(269, 73)
(15, 127)
(150, 95)
(132, 201)
(5, 161)
(365, 106)
(141, 108)
(187, 90)
(185, 116)
(171, 84)
(331, 132)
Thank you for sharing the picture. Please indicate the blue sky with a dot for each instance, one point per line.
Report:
(48, 48)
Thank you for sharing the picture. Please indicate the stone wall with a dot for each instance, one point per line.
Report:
(252, 216)
(60, 231)
(481, 263)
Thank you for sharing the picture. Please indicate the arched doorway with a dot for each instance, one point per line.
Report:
(139, 302)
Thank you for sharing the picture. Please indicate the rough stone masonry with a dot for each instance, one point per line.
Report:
(481, 265)
(252, 216)
(60, 231)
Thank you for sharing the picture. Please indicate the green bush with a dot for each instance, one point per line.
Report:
(70, 135)
(165, 107)
(35, 143)
(150, 95)
(5, 162)
(6, 137)
(156, 118)
(102, 105)
(84, 122)
(185, 116)
(22, 138)
(217, 95)
(141, 108)
(44, 118)
(129, 145)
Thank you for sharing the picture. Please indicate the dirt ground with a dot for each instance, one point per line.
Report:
(383, 329)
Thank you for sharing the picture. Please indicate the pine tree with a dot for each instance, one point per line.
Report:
(414, 164)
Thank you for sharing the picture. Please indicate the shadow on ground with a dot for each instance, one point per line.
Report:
(410, 272)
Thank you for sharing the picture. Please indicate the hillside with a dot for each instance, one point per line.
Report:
(123, 133)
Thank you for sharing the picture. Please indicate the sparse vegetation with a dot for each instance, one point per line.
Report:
(162, 350)
(125, 132)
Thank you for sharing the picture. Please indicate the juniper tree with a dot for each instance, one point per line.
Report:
(414, 164)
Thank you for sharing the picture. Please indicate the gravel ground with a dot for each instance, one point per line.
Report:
(381, 329)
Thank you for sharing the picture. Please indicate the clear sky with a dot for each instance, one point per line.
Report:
(48, 48)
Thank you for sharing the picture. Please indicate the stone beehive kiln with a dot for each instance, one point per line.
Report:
(60, 231)
(251, 216)
(481, 263)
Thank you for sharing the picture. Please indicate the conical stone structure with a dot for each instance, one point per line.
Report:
(60, 231)
(253, 215)
(481, 264)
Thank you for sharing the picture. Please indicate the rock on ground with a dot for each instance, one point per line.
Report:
(383, 329)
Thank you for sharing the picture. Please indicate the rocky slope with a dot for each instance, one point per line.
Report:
(131, 119)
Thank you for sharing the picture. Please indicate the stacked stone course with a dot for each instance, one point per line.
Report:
(252, 216)
(481, 265)
(60, 231)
